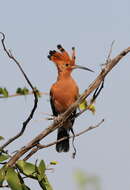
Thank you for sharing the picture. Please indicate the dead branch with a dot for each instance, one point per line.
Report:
(110, 51)
(62, 118)
(40, 146)
(9, 54)
(33, 151)
(76, 135)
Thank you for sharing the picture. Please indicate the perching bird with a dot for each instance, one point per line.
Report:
(64, 92)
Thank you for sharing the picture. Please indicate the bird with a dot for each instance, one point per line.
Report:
(64, 92)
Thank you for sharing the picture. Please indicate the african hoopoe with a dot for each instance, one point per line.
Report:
(64, 92)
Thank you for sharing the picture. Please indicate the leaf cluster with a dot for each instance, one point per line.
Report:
(25, 91)
(22, 91)
(15, 177)
(85, 106)
(4, 92)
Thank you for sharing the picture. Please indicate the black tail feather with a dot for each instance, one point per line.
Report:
(62, 146)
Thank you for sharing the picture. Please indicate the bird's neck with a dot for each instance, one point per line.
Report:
(64, 75)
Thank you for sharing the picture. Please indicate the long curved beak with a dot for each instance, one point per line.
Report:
(81, 67)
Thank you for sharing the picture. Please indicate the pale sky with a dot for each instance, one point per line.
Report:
(32, 28)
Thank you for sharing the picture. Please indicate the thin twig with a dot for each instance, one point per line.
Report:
(110, 51)
(99, 89)
(33, 151)
(29, 93)
(62, 118)
(40, 146)
(109, 54)
(76, 135)
(33, 89)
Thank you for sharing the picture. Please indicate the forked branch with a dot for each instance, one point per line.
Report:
(9, 54)
(62, 118)
(40, 146)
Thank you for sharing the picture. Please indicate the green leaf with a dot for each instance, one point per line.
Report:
(48, 185)
(83, 105)
(44, 183)
(42, 178)
(53, 162)
(3, 157)
(4, 92)
(18, 91)
(41, 168)
(92, 108)
(27, 168)
(25, 91)
(1, 138)
(24, 187)
(13, 179)
(1, 89)
(22, 91)
(35, 172)
(2, 175)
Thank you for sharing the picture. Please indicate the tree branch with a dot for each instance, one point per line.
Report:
(16, 94)
(40, 146)
(63, 117)
(76, 135)
(9, 54)
(110, 51)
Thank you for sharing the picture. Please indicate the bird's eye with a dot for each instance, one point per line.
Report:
(66, 64)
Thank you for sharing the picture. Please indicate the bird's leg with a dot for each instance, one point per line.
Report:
(55, 118)
(74, 153)
(52, 117)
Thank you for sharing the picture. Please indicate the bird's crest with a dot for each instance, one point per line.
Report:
(61, 56)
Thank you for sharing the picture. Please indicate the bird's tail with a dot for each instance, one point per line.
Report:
(62, 146)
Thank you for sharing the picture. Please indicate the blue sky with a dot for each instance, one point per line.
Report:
(32, 28)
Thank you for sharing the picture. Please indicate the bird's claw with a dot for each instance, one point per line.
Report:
(54, 118)
(57, 118)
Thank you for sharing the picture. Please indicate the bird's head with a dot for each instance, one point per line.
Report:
(63, 61)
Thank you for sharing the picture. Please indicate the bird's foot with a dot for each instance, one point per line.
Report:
(50, 118)
(57, 118)
(54, 118)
